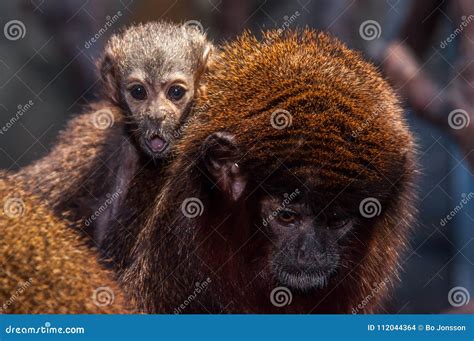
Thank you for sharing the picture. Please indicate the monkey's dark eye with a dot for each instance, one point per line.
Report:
(138, 92)
(176, 92)
(334, 221)
(287, 217)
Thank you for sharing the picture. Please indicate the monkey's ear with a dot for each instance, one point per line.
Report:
(107, 71)
(220, 157)
(204, 66)
(208, 49)
(206, 59)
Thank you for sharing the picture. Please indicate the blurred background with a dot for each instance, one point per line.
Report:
(424, 48)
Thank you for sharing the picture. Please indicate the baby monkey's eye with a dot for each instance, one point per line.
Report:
(176, 92)
(138, 92)
(287, 216)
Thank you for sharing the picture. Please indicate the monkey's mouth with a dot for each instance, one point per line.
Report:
(156, 144)
(304, 280)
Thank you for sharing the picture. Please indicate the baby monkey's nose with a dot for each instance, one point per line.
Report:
(156, 118)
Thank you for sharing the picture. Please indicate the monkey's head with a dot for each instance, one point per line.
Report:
(316, 141)
(152, 72)
(300, 219)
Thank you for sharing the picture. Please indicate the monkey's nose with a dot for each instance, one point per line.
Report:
(309, 253)
(162, 113)
(154, 119)
(305, 254)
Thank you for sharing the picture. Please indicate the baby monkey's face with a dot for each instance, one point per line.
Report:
(151, 71)
(157, 106)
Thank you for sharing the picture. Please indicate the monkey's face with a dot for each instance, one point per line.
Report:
(306, 246)
(309, 231)
(151, 71)
(156, 108)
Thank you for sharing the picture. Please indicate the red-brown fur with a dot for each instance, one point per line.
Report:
(46, 268)
(331, 93)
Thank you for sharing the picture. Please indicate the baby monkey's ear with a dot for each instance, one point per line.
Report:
(108, 76)
(207, 57)
(208, 50)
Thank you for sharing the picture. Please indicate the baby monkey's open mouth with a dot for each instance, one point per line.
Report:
(156, 144)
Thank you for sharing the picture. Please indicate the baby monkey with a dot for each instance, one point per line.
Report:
(151, 71)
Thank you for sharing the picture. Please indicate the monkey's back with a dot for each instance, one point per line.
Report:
(45, 266)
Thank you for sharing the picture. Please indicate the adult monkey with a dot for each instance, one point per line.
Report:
(301, 168)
